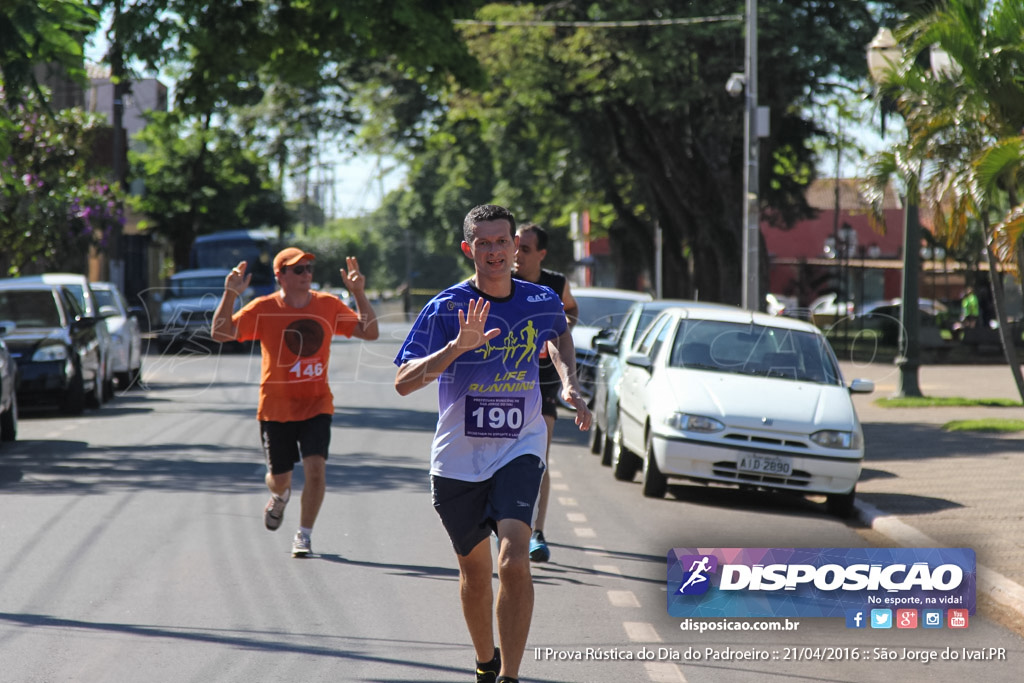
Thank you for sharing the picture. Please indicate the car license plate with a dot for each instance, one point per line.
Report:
(759, 463)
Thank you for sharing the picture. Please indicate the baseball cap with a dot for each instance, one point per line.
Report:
(291, 256)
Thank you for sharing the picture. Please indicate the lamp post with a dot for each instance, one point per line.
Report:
(883, 54)
(751, 200)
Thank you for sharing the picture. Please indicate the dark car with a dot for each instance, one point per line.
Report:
(81, 288)
(613, 351)
(55, 344)
(8, 383)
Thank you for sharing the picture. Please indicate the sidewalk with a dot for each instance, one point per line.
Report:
(924, 487)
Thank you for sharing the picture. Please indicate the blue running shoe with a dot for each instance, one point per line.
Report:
(539, 548)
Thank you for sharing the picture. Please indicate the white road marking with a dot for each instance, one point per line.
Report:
(576, 517)
(641, 632)
(623, 599)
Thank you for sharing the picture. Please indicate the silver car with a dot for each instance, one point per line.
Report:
(123, 324)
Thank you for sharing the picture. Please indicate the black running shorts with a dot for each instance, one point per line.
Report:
(285, 443)
(471, 510)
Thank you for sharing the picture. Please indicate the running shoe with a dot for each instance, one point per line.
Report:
(488, 671)
(301, 545)
(273, 514)
(539, 547)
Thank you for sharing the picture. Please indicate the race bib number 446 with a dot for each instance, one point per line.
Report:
(494, 417)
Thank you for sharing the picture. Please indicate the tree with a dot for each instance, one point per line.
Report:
(965, 150)
(634, 122)
(55, 206)
(200, 179)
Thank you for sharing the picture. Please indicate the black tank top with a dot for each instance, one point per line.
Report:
(556, 281)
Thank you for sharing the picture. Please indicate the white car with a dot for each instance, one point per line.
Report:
(723, 395)
(123, 324)
(601, 312)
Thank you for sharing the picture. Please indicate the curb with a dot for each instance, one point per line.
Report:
(999, 588)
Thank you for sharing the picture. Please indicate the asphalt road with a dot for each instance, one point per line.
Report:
(133, 549)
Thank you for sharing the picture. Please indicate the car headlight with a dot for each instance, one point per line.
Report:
(833, 438)
(694, 423)
(49, 353)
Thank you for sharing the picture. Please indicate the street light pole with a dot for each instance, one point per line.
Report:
(751, 202)
(883, 53)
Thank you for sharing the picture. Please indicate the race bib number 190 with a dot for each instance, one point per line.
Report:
(494, 417)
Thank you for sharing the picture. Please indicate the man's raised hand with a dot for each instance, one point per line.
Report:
(472, 323)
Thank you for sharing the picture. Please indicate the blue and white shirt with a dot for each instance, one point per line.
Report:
(489, 398)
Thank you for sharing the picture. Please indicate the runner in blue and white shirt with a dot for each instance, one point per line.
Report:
(481, 341)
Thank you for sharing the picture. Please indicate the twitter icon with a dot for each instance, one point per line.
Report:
(881, 618)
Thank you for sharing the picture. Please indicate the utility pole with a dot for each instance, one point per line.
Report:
(115, 247)
(751, 142)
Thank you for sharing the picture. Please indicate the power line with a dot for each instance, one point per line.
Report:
(683, 21)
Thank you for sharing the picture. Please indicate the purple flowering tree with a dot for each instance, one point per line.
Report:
(55, 206)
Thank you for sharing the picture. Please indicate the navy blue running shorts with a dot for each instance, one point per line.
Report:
(285, 443)
(471, 510)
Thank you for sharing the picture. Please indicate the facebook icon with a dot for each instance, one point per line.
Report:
(855, 619)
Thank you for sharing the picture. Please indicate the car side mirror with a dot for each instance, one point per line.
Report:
(639, 360)
(108, 311)
(608, 346)
(862, 386)
(7, 326)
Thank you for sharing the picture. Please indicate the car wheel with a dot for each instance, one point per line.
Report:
(655, 483)
(841, 504)
(73, 402)
(96, 397)
(9, 422)
(134, 377)
(596, 438)
(607, 448)
(625, 464)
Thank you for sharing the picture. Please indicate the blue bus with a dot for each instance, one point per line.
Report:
(226, 248)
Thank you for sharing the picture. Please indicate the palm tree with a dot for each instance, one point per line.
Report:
(964, 152)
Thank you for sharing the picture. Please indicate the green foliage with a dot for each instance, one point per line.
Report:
(634, 123)
(35, 32)
(200, 179)
(54, 208)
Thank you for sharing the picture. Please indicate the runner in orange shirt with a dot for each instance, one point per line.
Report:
(294, 327)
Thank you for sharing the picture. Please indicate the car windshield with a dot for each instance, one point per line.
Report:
(196, 287)
(603, 312)
(753, 350)
(106, 297)
(30, 308)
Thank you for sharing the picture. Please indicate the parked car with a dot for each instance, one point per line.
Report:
(601, 311)
(8, 387)
(187, 306)
(723, 395)
(886, 317)
(612, 354)
(780, 304)
(80, 287)
(122, 322)
(827, 310)
(55, 345)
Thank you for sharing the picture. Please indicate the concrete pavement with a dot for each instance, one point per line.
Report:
(925, 487)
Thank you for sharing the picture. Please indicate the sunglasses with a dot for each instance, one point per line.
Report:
(299, 269)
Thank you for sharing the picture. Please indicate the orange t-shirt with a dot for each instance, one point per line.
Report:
(296, 348)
